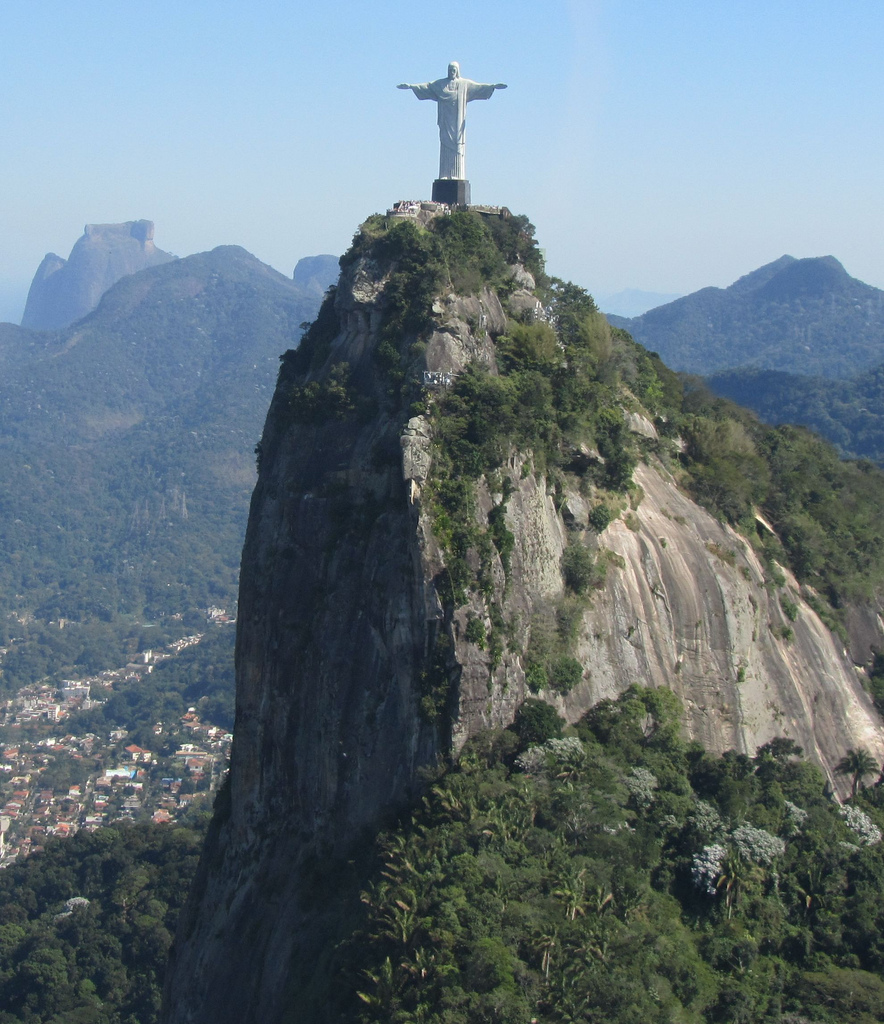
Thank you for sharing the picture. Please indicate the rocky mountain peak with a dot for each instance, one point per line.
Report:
(465, 496)
(64, 291)
(316, 274)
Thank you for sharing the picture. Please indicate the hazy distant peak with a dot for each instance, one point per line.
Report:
(66, 290)
(140, 230)
(830, 261)
(49, 265)
(316, 274)
(758, 278)
(819, 275)
(223, 267)
(797, 315)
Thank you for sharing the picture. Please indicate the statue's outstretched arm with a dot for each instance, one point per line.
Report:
(422, 90)
(482, 90)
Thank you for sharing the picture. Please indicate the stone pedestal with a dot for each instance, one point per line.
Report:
(454, 191)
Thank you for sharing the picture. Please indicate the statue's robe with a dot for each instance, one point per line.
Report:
(452, 96)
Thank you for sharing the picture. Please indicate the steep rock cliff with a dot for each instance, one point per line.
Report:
(359, 661)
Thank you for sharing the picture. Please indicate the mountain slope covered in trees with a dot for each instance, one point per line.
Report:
(616, 874)
(621, 875)
(848, 413)
(127, 454)
(85, 927)
(804, 316)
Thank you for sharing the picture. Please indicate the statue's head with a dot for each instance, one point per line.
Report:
(454, 69)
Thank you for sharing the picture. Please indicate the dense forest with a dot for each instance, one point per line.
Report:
(848, 413)
(127, 449)
(614, 873)
(86, 926)
(619, 874)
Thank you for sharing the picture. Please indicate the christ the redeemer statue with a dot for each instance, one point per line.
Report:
(452, 94)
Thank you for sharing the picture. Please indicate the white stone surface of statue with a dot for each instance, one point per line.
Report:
(452, 94)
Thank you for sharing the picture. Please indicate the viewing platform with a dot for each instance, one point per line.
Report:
(425, 210)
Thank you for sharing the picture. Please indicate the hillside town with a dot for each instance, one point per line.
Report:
(55, 780)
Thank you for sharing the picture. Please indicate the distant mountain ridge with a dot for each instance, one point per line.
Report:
(127, 449)
(64, 291)
(794, 315)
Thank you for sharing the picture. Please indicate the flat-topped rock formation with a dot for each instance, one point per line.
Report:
(64, 291)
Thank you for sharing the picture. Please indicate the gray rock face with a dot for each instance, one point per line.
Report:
(639, 424)
(316, 274)
(341, 630)
(336, 621)
(690, 610)
(417, 447)
(66, 290)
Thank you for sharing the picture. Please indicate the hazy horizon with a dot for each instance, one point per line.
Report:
(660, 149)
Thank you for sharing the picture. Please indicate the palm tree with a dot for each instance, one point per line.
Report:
(386, 986)
(571, 893)
(545, 942)
(857, 764)
(400, 921)
(734, 874)
(811, 889)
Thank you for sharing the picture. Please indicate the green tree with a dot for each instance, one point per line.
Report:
(536, 722)
(579, 568)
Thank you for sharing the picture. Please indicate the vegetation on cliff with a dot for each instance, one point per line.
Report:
(559, 395)
(577, 403)
(620, 874)
(616, 873)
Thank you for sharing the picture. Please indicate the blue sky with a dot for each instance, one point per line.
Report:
(656, 146)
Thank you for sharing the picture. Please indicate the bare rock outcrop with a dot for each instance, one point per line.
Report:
(685, 605)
